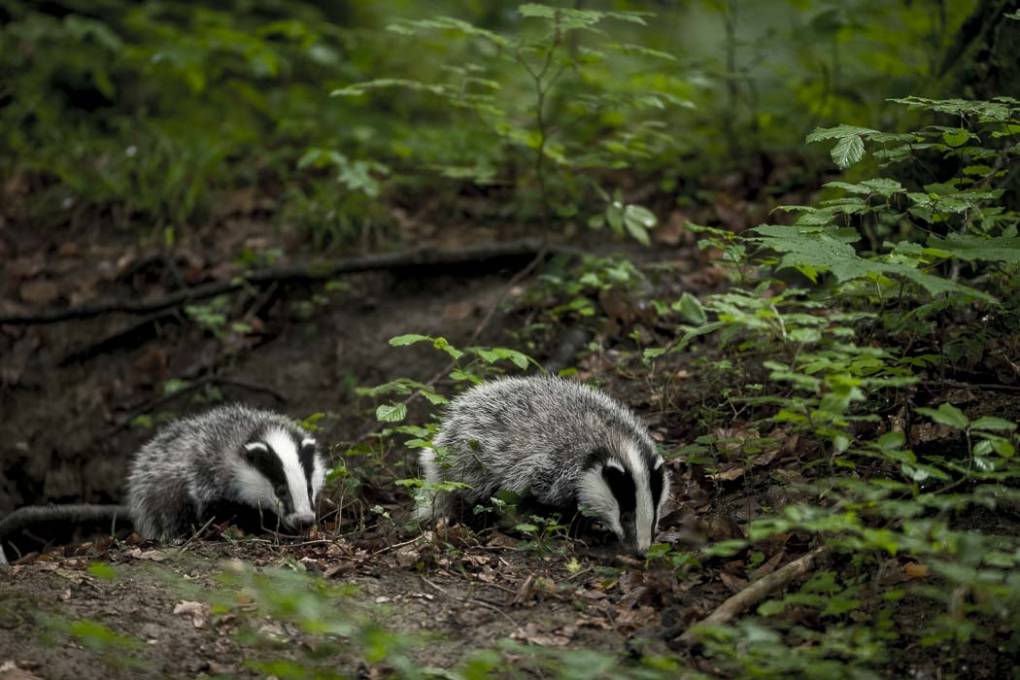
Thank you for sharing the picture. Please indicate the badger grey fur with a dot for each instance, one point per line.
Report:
(564, 444)
(231, 454)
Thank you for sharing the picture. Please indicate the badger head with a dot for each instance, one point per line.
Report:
(625, 488)
(282, 472)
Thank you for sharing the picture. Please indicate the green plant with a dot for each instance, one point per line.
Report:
(547, 58)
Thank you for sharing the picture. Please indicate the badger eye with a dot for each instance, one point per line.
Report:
(281, 491)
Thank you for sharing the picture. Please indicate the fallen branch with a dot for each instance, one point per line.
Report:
(754, 593)
(70, 514)
(421, 258)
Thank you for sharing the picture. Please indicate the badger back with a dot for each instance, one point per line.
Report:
(562, 443)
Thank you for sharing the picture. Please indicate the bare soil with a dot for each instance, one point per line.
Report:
(79, 397)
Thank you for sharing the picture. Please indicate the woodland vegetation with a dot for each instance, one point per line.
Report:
(785, 233)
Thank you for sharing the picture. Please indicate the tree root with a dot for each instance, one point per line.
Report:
(752, 595)
(422, 258)
(71, 514)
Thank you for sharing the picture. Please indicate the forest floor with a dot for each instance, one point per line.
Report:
(78, 397)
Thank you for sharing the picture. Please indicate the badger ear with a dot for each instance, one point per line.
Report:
(596, 458)
(254, 450)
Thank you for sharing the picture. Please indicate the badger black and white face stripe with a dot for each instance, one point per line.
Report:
(284, 474)
(626, 491)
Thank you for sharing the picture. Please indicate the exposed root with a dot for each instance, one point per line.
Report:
(422, 258)
(753, 594)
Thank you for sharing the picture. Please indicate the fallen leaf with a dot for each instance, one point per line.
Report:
(39, 292)
(628, 620)
(407, 557)
(728, 475)
(915, 570)
(532, 635)
(768, 566)
(338, 569)
(150, 555)
(458, 311)
(673, 231)
(198, 611)
(10, 671)
(273, 631)
(734, 583)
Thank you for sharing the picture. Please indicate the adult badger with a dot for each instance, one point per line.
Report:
(232, 461)
(560, 443)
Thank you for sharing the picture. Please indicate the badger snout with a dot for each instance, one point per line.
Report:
(300, 520)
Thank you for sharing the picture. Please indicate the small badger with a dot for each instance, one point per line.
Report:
(231, 459)
(232, 455)
(560, 443)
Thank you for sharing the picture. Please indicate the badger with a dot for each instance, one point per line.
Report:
(560, 443)
(232, 456)
(231, 459)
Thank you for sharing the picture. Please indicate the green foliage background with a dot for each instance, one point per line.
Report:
(152, 111)
(843, 320)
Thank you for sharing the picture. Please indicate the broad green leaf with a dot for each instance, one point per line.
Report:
(955, 138)
(410, 339)
(690, 309)
(974, 248)
(847, 151)
(638, 221)
(993, 423)
(838, 132)
(946, 414)
(391, 413)
(891, 440)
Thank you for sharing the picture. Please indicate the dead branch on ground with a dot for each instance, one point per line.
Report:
(753, 594)
(428, 258)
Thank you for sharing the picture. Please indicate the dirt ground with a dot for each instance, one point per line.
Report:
(78, 397)
(73, 394)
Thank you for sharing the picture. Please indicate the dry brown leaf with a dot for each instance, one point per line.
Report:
(150, 555)
(533, 635)
(458, 311)
(198, 611)
(674, 231)
(10, 671)
(501, 540)
(628, 620)
(915, 570)
(406, 557)
(39, 292)
(734, 583)
(768, 566)
(728, 475)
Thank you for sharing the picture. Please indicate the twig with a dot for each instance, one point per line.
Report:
(132, 335)
(398, 545)
(197, 533)
(752, 594)
(302, 273)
